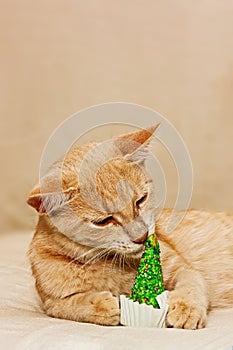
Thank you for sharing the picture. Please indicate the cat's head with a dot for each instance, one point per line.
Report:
(100, 195)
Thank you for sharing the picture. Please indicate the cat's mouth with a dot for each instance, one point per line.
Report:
(135, 252)
(135, 248)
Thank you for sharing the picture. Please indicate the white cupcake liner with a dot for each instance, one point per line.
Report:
(143, 315)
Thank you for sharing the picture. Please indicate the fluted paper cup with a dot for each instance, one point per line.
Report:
(143, 315)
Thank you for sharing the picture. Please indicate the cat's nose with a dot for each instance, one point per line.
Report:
(141, 239)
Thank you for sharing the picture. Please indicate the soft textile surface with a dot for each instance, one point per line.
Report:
(23, 325)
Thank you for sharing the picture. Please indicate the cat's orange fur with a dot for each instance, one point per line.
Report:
(81, 268)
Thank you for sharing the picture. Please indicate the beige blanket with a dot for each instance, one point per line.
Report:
(23, 325)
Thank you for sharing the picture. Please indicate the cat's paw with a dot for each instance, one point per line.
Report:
(183, 313)
(106, 309)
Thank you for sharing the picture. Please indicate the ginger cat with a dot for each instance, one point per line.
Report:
(91, 230)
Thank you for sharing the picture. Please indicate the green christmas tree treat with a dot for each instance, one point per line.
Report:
(149, 280)
(147, 305)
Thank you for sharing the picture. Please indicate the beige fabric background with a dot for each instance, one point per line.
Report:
(58, 56)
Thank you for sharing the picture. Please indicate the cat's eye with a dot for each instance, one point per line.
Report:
(104, 222)
(141, 200)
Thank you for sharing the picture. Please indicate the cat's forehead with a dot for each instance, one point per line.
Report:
(108, 177)
(120, 169)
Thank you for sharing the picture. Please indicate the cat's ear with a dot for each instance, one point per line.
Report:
(137, 147)
(48, 202)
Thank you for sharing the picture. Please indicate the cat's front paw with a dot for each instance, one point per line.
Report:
(184, 313)
(106, 309)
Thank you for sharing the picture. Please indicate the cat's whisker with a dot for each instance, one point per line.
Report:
(98, 256)
(114, 260)
(120, 261)
(121, 257)
(106, 258)
(90, 251)
(124, 260)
